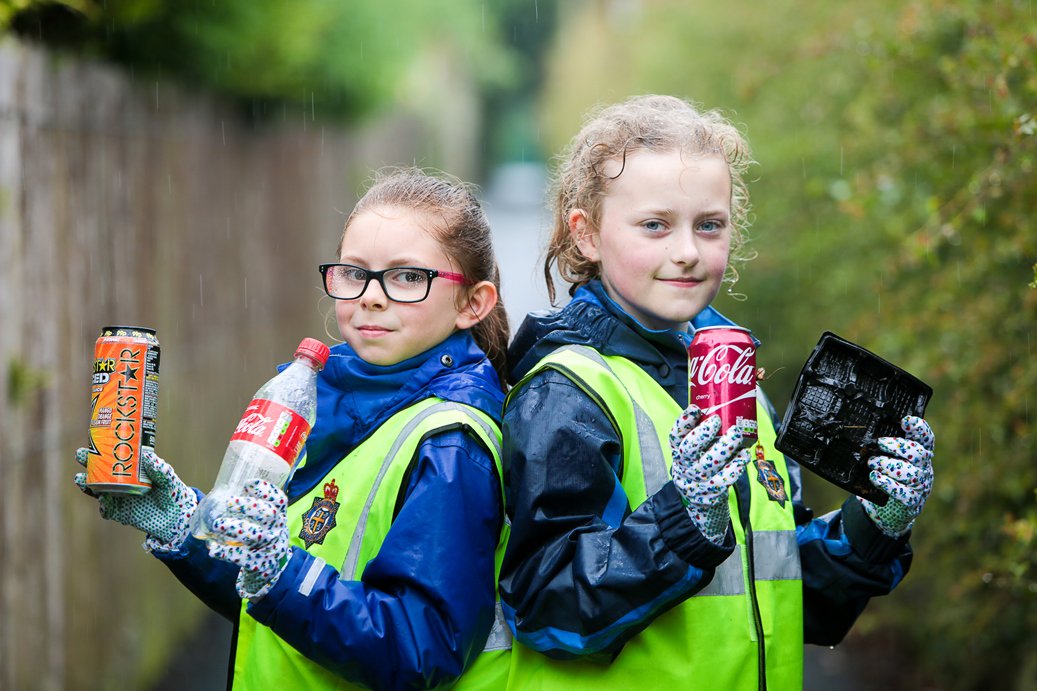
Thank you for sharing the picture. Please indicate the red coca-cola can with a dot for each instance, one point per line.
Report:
(722, 377)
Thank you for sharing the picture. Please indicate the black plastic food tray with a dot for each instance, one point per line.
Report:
(845, 399)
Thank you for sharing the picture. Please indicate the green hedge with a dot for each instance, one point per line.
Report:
(332, 58)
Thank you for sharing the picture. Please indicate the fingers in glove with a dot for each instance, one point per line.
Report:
(684, 424)
(907, 450)
(114, 507)
(242, 532)
(732, 470)
(231, 552)
(258, 511)
(266, 491)
(80, 480)
(917, 429)
(82, 454)
(911, 497)
(713, 489)
(158, 471)
(698, 439)
(708, 486)
(903, 472)
(718, 454)
(255, 518)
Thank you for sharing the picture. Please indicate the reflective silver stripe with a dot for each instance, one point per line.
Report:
(728, 579)
(776, 555)
(500, 634)
(653, 463)
(310, 578)
(353, 554)
(775, 558)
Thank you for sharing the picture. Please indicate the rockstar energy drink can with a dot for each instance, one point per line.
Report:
(123, 408)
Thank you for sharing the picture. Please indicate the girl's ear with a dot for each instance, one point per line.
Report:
(482, 298)
(583, 234)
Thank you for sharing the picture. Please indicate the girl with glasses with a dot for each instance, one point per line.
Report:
(377, 565)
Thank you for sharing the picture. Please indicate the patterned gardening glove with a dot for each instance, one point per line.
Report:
(906, 475)
(163, 512)
(703, 469)
(254, 531)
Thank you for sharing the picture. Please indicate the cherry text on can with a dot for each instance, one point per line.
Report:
(722, 378)
(123, 409)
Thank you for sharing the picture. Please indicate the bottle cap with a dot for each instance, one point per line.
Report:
(314, 349)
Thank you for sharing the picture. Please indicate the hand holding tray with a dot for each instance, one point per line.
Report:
(845, 399)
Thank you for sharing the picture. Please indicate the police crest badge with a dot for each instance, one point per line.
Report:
(320, 519)
(768, 476)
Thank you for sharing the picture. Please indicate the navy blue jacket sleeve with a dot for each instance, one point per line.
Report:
(424, 606)
(210, 580)
(846, 561)
(583, 571)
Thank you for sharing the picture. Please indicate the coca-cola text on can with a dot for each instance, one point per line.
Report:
(722, 378)
(123, 409)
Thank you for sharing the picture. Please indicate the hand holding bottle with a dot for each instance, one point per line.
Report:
(251, 531)
(270, 436)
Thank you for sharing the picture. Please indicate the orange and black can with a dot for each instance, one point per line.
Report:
(123, 409)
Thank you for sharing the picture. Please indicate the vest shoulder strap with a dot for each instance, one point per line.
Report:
(432, 416)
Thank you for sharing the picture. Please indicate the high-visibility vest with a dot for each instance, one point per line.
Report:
(366, 485)
(744, 630)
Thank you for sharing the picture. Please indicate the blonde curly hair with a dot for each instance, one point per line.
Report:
(611, 133)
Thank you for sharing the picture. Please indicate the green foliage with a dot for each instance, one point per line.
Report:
(962, 90)
(332, 58)
(896, 147)
(23, 381)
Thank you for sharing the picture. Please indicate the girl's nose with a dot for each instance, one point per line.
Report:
(374, 297)
(683, 248)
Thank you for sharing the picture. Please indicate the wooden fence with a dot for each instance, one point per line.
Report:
(128, 201)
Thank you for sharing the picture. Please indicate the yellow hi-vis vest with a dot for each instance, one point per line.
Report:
(370, 479)
(744, 630)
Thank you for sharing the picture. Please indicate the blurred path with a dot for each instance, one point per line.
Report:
(201, 662)
(513, 199)
(514, 203)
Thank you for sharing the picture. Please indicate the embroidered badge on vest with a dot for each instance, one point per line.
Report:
(320, 519)
(768, 476)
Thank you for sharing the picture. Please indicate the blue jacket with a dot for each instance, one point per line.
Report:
(425, 605)
(577, 572)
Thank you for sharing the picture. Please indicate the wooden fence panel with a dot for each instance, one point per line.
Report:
(127, 202)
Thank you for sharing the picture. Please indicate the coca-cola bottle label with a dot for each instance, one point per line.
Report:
(274, 427)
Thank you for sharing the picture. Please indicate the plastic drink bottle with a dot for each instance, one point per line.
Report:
(270, 436)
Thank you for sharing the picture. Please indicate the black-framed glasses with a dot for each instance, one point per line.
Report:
(400, 283)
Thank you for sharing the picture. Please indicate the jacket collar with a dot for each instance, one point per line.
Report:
(355, 397)
(593, 319)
